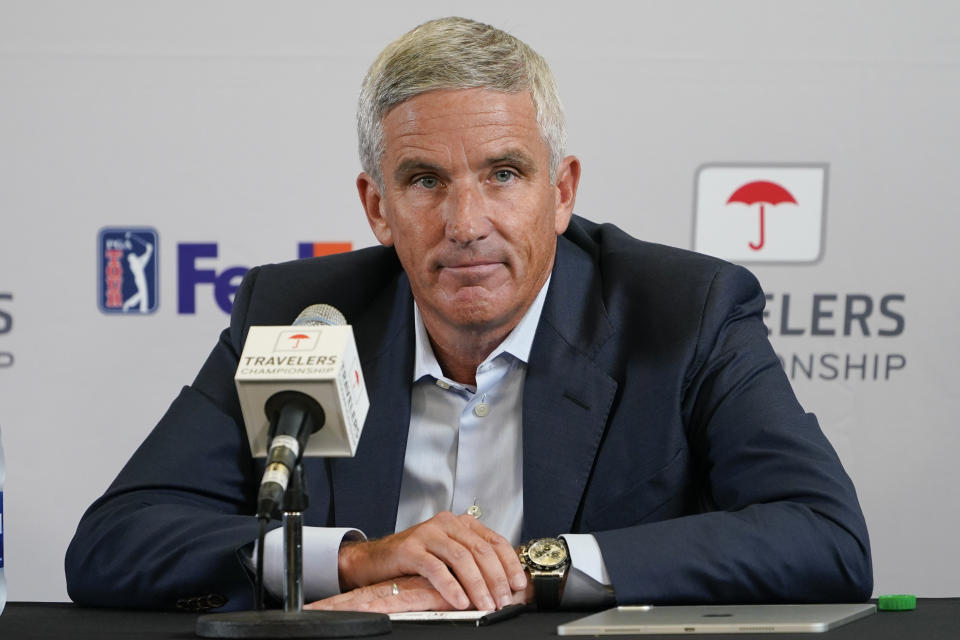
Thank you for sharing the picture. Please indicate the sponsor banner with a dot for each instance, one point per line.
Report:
(760, 213)
(774, 213)
(838, 337)
(317, 249)
(193, 270)
(127, 273)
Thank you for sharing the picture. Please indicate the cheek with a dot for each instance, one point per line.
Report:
(542, 236)
(414, 241)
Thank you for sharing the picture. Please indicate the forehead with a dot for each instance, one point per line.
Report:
(466, 120)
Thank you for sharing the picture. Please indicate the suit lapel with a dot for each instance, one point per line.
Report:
(366, 488)
(567, 396)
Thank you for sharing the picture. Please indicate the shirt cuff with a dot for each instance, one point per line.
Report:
(588, 582)
(321, 550)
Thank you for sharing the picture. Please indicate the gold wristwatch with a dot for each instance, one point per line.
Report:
(547, 561)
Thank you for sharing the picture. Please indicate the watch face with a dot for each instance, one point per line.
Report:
(547, 553)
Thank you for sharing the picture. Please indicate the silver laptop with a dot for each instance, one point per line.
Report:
(747, 618)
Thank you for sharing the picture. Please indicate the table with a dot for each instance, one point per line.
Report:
(933, 619)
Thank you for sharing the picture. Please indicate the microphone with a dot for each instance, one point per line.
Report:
(294, 417)
(292, 381)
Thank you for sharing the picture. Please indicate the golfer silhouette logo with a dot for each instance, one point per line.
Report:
(138, 268)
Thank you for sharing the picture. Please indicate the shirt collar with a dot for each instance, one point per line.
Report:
(517, 343)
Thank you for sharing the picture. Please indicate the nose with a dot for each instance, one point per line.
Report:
(466, 219)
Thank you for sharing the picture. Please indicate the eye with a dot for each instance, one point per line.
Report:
(427, 182)
(504, 175)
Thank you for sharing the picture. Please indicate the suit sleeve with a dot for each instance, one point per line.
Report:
(167, 532)
(779, 519)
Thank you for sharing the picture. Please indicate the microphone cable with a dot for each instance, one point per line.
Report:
(260, 591)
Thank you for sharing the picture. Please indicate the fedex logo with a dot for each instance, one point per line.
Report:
(317, 249)
(195, 269)
(191, 274)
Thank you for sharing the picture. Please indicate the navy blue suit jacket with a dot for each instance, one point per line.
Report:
(655, 416)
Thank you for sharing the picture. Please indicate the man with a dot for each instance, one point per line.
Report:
(531, 374)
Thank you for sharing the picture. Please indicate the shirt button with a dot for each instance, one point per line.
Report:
(481, 410)
(442, 384)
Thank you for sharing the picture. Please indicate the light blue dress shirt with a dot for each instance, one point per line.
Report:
(464, 454)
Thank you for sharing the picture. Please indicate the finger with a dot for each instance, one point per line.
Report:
(403, 554)
(498, 562)
(491, 563)
(354, 600)
(465, 554)
(413, 594)
(524, 596)
(439, 576)
(423, 598)
(505, 552)
(473, 560)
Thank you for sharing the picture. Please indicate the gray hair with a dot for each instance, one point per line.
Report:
(455, 53)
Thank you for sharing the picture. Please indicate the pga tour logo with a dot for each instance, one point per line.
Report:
(760, 213)
(127, 272)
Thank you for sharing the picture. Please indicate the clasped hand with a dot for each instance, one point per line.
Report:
(446, 562)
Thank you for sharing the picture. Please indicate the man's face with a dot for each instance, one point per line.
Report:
(468, 204)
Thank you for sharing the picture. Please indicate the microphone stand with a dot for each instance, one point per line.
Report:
(292, 621)
(295, 502)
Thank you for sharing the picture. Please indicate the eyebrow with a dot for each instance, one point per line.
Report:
(516, 158)
(513, 157)
(409, 167)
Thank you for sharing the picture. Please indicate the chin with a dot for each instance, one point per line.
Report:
(474, 318)
(476, 314)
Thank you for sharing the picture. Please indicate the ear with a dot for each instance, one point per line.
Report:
(373, 205)
(568, 178)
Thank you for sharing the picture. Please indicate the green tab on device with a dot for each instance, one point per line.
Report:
(899, 602)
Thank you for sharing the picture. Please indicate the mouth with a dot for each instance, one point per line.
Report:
(471, 270)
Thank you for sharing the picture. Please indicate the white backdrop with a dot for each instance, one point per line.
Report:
(231, 123)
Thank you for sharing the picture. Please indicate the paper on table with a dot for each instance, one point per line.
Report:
(437, 616)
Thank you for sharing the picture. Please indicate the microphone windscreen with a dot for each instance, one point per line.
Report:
(320, 314)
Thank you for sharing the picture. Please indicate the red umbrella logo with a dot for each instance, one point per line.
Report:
(298, 337)
(763, 192)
